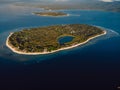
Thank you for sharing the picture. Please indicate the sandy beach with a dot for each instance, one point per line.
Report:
(51, 15)
(38, 53)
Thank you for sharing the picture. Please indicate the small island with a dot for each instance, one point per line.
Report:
(54, 14)
(45, 40)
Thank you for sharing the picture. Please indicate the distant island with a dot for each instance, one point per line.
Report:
(45, 40)
(87, 5)
(50, 14)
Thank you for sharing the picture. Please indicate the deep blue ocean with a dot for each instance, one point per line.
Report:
(93, 66)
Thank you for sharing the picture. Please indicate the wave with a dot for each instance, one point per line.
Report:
(110, 32)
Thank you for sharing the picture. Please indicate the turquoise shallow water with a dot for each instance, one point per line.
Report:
(95, 64)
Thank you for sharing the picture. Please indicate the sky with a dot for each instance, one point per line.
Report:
(51, 1)
(109, 0)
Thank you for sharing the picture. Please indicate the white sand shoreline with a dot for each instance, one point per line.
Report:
(51, 15)
(39, 53)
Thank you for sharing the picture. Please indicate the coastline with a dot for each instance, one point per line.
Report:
(51, 15)
(40, 53)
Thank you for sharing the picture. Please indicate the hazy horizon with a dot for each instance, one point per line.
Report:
(51, 1)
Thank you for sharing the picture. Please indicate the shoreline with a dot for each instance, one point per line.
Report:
(51, 15)
(12, 48)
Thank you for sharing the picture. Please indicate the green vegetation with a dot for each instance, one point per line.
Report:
(50, 13)
(46, 38)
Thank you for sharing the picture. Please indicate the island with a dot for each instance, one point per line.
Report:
(54, 14)
(45, 40)
(98, 5)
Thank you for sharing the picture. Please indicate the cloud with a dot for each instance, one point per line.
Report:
(109, 0)
(61, 0)
(50, 1)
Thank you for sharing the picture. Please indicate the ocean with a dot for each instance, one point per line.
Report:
(94, 66)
